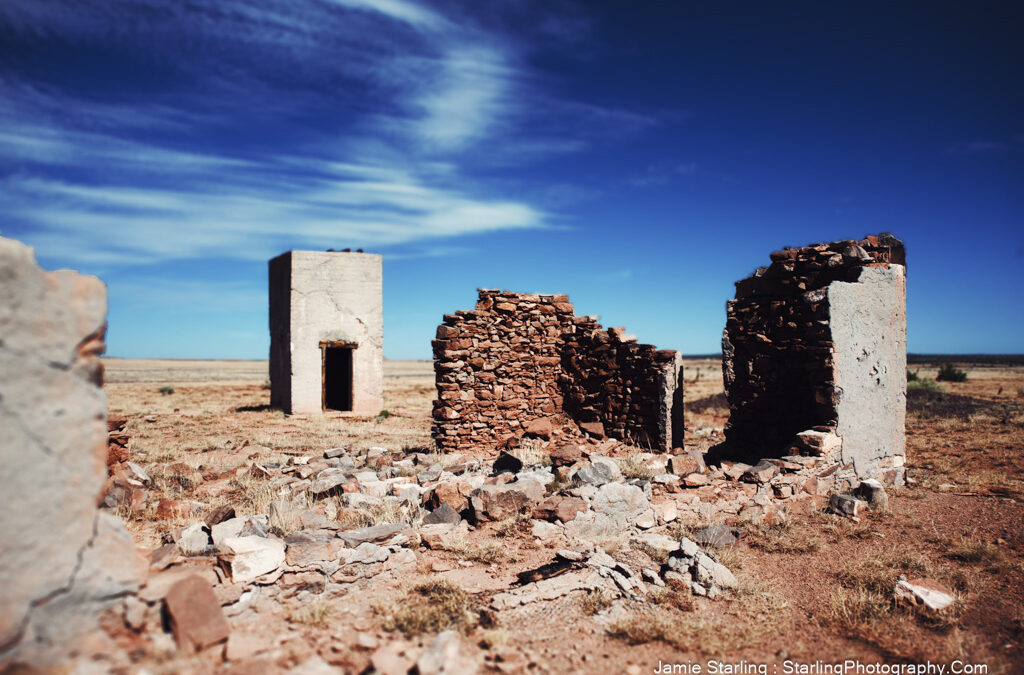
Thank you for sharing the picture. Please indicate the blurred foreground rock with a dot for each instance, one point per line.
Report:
(62, 562)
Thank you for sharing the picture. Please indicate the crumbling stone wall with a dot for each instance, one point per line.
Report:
(629, 389)
(517, 358)
(817, 341)
(62, 562)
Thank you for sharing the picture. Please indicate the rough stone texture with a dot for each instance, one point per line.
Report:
(816, 344)
(62, 561)
(318, 297)
(518, 359)
(195, 615)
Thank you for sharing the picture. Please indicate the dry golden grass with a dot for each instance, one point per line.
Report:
(430, 607)
(513, 526)
(317, 614)
(782, 538)
(596, 601)
(634, 467)
(864, 608)
(754, 612)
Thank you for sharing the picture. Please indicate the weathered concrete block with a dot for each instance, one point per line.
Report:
(326, 332)
(62, 561)
(869, 329)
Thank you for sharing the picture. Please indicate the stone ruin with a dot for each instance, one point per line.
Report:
(519, 360)
(326, 332)
(63, 562)
(814, 357)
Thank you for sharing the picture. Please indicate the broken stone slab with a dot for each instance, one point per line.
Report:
(241, 526)
(658, 542)
(194, 614)
(559, 508)
(716, 535)
(250, 557)
(760, 473)
(598, 471)
(192, 539)
(595, 429)
(306, 553)
(442, 536)
(692, 480)
(710, 573)
(734, 470)
(846, 505)
(646, 520)
(377, 534)
(430, 474)
(442, 514)
(541, 474)
(926, 594)
(566, 454)
(219, 515)
(874, 494)
(689, 462)
(688, 548)
(335, 452)
(327, 486)
(819, 442)
(367, 553)
(552, 588)
(541, 529)
(622, 503)
(454, 493)
(539, 428)
(497, 502)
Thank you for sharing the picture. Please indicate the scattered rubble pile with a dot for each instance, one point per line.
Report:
(63, 562)
(346, 522)
(519, 358)
(814, 356)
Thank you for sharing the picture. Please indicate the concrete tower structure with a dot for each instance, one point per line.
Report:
(326, 332)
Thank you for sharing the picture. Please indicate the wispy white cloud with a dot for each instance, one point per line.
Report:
(237, 218)
(358, 123)
(408, 12)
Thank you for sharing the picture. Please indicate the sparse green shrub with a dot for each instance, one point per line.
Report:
(912, 376)
(383, 415)
(923, 384)
(166, 390)
(950, 373)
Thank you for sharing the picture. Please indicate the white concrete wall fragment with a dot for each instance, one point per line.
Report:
(868, 321)
(53, 450)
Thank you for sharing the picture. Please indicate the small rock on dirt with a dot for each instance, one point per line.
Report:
(195, 615)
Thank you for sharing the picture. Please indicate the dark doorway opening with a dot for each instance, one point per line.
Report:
(337, 375)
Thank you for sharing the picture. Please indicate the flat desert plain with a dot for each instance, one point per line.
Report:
(815, 588)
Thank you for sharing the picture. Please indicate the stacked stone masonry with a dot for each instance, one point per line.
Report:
(817, 342)
(518, 358)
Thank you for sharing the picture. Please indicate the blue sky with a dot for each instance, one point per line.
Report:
(640, 156)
